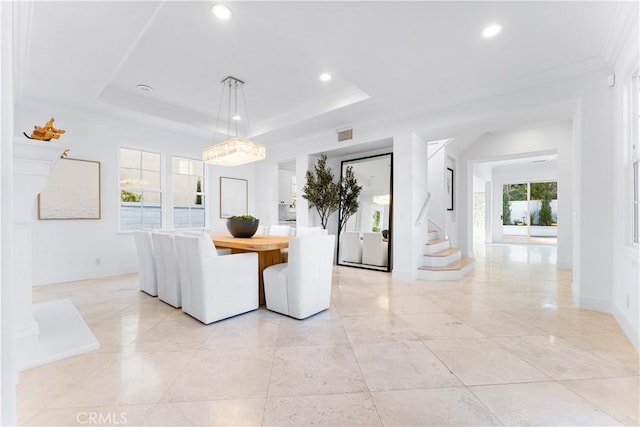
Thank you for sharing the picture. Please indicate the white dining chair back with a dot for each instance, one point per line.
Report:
(215, 287)
(280, 230)
(303, 231)
(301, 287)
(374, 249)
(169, 289)
(146, 262)
(351, 247)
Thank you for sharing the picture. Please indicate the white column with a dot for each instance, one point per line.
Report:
(302, 205)
(9, 371)
(32, 164)
(409, 193)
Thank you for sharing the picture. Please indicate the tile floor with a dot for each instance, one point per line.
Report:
(504, 346)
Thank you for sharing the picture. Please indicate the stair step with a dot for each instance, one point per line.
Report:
(445, 252)
(435, 241)
(457, 265)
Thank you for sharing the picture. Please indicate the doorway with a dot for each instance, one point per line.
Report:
(530, 212)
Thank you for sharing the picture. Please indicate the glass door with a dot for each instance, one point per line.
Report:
(530, 212)
(515, 213)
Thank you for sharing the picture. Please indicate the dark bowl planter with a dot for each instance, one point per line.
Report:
(243, 227)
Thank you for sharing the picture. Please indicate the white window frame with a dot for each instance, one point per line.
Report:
(161, 191)
(203, 192)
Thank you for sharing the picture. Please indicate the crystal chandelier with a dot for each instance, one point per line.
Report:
(235, 150)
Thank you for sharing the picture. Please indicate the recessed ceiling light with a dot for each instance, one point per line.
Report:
(325, 77)
(236, 117)
(221, 11)
(491, 31)
(145, 88)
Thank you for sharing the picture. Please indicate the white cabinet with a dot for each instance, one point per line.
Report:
(284, 186)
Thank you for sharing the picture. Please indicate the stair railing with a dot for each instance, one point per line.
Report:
(439, 227)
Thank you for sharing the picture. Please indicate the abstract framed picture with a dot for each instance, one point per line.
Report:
(233, 197)
(72, 191)
(449, 188)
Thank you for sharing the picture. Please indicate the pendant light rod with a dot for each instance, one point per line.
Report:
(232, 79)
(235, 150)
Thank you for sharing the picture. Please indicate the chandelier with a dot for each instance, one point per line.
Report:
(235, 150)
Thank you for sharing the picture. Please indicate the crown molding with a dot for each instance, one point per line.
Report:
(621, 26)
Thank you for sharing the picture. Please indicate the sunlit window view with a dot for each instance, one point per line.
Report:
(188, 193)
(140, 190)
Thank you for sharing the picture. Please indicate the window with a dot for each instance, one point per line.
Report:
(140, 190)
(188, 193)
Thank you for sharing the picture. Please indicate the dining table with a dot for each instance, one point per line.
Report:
(266, 246)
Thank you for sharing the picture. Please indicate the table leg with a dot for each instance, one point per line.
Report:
(265, 259)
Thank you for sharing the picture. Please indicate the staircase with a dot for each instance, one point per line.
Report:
(443, 262)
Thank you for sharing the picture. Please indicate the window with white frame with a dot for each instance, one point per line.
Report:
(140, 190)
(188, 193)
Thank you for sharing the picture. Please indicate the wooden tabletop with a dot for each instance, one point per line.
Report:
(257, 243)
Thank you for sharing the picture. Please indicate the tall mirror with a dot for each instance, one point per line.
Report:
(365, 240)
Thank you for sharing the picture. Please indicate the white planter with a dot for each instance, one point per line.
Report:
(514, 230)
(543, 231)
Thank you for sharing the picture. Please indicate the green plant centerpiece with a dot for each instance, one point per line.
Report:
(243, 226)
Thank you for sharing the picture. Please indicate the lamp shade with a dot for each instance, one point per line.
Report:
(233, 152)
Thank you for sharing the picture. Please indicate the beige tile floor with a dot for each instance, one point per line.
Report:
(504, 346)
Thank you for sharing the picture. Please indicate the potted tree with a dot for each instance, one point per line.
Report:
(327, 196)
(320, 190)
(349, 195)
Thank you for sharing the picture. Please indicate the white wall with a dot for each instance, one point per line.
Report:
(626, 257)
(594, 153)
(67, 250)
(451, 217)
(501, 146)
(8, 365)
(409, 192)
(436, 175)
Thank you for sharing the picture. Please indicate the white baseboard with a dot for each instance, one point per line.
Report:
(591, 303)
(632, 332)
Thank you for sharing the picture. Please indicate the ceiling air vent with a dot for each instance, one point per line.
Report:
(345, 135)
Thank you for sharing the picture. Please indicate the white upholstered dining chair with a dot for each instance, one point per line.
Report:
(215, 287)
(301, 287)
(146, 262)
(169, 289)
(351, 247)
(303, 231)
(374, 250)
(281, 230)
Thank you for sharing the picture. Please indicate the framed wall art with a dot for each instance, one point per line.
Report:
(449, 188)
(233, 197)
(72, 191)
